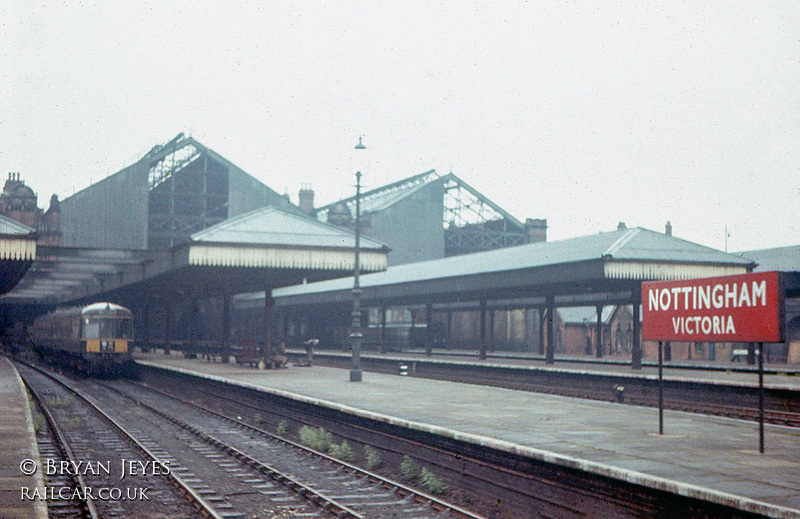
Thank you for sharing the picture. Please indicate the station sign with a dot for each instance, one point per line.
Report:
(739, 308)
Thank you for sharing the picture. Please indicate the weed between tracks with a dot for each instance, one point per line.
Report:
(321, 440)
(384, 463)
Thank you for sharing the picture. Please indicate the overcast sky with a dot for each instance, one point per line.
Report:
(584, 113)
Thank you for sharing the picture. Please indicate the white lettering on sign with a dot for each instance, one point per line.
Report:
(742, 307)
(729, 295)
(706, 324)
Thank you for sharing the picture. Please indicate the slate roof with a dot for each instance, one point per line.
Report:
(786, 259)
(273, 226)
(17, 243)
(634, 245)
(9, 227)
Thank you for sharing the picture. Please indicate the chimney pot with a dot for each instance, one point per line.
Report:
(306, 199)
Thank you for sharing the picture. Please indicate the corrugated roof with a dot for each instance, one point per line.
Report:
(273, 226)
(9, 228)
(636, 244)
(786, 259)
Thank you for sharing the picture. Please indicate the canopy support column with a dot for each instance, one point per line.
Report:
(428, 330)
(268, 353)
(598, 338)
(636, 347)
(550, 347)
(384, 310)
(168, 328)
(226, 327)
(482, 351)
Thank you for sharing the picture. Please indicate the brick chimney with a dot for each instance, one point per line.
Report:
(537, 229)
(621, 226)
(668, 229)
(50, 224)
(306, 199)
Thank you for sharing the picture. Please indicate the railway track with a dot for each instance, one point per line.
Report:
(340, 489)
(53, 445)
(99, 447)
(496, 482)
(237, 470)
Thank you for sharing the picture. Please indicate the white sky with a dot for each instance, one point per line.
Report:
(583, 113)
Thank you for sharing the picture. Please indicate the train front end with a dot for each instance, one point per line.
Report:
(106, 331)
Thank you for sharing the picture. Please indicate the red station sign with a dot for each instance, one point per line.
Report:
(740, 308)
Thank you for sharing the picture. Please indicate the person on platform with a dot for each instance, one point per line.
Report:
(310, 344)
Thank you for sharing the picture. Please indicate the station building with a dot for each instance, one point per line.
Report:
(429, 216)
(20, 203)
(424, 217)
(180, 188)
(130, 239)
(172, 192)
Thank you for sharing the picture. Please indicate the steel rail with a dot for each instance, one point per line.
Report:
(204, 509)
(403, 490)
(87, 506)
(325, 503)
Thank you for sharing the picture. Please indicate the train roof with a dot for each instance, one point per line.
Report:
(106, 309)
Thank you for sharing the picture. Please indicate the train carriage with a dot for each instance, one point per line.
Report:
(93, 340)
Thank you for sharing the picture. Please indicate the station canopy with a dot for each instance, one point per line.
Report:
(17, 252)
(605, 268)
(259, 250)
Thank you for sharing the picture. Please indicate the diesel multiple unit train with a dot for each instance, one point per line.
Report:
(93, 340)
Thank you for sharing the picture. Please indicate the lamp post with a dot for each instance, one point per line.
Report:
(355, 332)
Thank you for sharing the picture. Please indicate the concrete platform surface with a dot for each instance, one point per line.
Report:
(776, 376)
(18, 450)
(713, 453)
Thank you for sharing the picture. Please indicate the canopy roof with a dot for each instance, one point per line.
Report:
(269, 225)
(579, 265)
(17, 241)
(786, 259)
(270, 237)
(17, 251)
(260, 250)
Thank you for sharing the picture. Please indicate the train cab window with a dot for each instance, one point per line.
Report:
(107, 328)
(91, 329)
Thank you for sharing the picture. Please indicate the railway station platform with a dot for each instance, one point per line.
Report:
(713, 457)
(775, 375)
(17, 444)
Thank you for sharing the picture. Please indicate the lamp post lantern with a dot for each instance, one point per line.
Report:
(355, 333)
